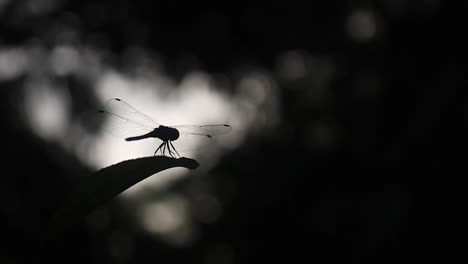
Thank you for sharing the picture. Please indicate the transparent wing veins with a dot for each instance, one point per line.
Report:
(204, 130)
(123, 120)
(124, 110)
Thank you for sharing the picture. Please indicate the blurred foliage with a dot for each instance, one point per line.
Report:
(362, 90)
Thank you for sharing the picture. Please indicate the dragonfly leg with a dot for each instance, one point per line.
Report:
(174, 148)
(169, 148)
(158, 148)
(164, 149)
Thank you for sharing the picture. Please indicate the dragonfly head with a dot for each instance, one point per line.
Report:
(175, 134)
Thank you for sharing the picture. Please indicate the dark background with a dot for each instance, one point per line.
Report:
(390, 189)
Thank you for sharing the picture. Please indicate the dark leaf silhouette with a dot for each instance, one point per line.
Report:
(105, 184)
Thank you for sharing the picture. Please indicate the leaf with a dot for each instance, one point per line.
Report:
(105, 184)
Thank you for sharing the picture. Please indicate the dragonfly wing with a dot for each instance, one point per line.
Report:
(196, 138)
(190, 143)
(121, 127)
(125, 111)
(204, 130)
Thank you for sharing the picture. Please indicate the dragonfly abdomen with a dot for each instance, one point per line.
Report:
(137, 138)
(148, 135)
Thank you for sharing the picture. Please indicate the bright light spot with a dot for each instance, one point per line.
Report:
(201, 101)
(194, 102)
(47, 110)
(361, 25)
(257, 102)
(13, 62)
(168, 219)
(164, 216)
(292, 65)
(64, 60)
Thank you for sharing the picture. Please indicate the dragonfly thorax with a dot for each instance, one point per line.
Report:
(166, 133)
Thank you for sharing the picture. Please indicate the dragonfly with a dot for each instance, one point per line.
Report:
(125, 121)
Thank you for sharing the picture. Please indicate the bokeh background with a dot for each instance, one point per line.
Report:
(348, 129)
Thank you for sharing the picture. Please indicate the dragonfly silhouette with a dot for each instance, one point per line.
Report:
(127, 122)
